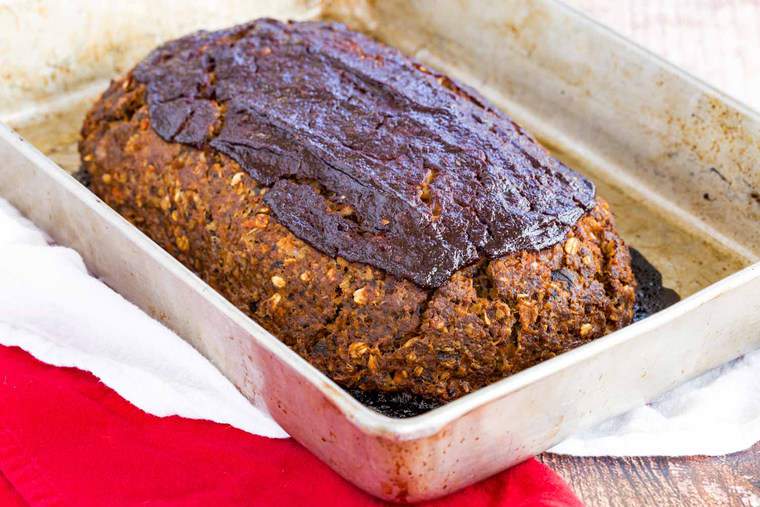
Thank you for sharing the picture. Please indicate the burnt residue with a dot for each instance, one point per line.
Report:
(368, 155)
(83, 176)
(651, 297)
(720, 175)
(395, 404)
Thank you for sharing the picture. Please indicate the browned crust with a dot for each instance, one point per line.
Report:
(360, 326)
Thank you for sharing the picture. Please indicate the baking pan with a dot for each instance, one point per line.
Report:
(677, 160)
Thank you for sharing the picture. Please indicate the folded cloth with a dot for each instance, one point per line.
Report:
(52, 308)
(67, 439)
(715, 414)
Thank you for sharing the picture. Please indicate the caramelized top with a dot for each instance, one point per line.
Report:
(367, 154)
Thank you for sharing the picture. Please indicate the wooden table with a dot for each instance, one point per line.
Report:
(715, 40)
(732, 480)
(719, 42)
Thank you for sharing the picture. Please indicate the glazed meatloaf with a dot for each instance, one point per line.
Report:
(388, 224)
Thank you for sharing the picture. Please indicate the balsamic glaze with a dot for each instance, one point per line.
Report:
(369, 155)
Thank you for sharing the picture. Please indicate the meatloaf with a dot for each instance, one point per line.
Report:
(388, 224)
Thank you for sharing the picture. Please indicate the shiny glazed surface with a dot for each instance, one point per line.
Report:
(369, 155)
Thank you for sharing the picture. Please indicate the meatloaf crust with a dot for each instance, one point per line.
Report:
(361, 326)
(368, 155)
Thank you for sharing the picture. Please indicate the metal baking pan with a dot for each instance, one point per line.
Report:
(677, 160)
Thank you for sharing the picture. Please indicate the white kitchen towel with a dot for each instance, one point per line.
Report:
(715, 414)
(52, 308)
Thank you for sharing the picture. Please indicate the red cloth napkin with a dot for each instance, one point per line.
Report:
(67, 439)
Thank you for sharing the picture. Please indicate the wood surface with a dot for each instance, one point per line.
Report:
(718, 41)
(732, 480)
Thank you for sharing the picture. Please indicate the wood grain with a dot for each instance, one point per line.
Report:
(715, 40)
(719, 42)
(732, 480)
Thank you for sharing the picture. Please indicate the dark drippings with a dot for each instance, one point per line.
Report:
(83, 176)
(651, 297)
(395, 404)
(368, 155)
